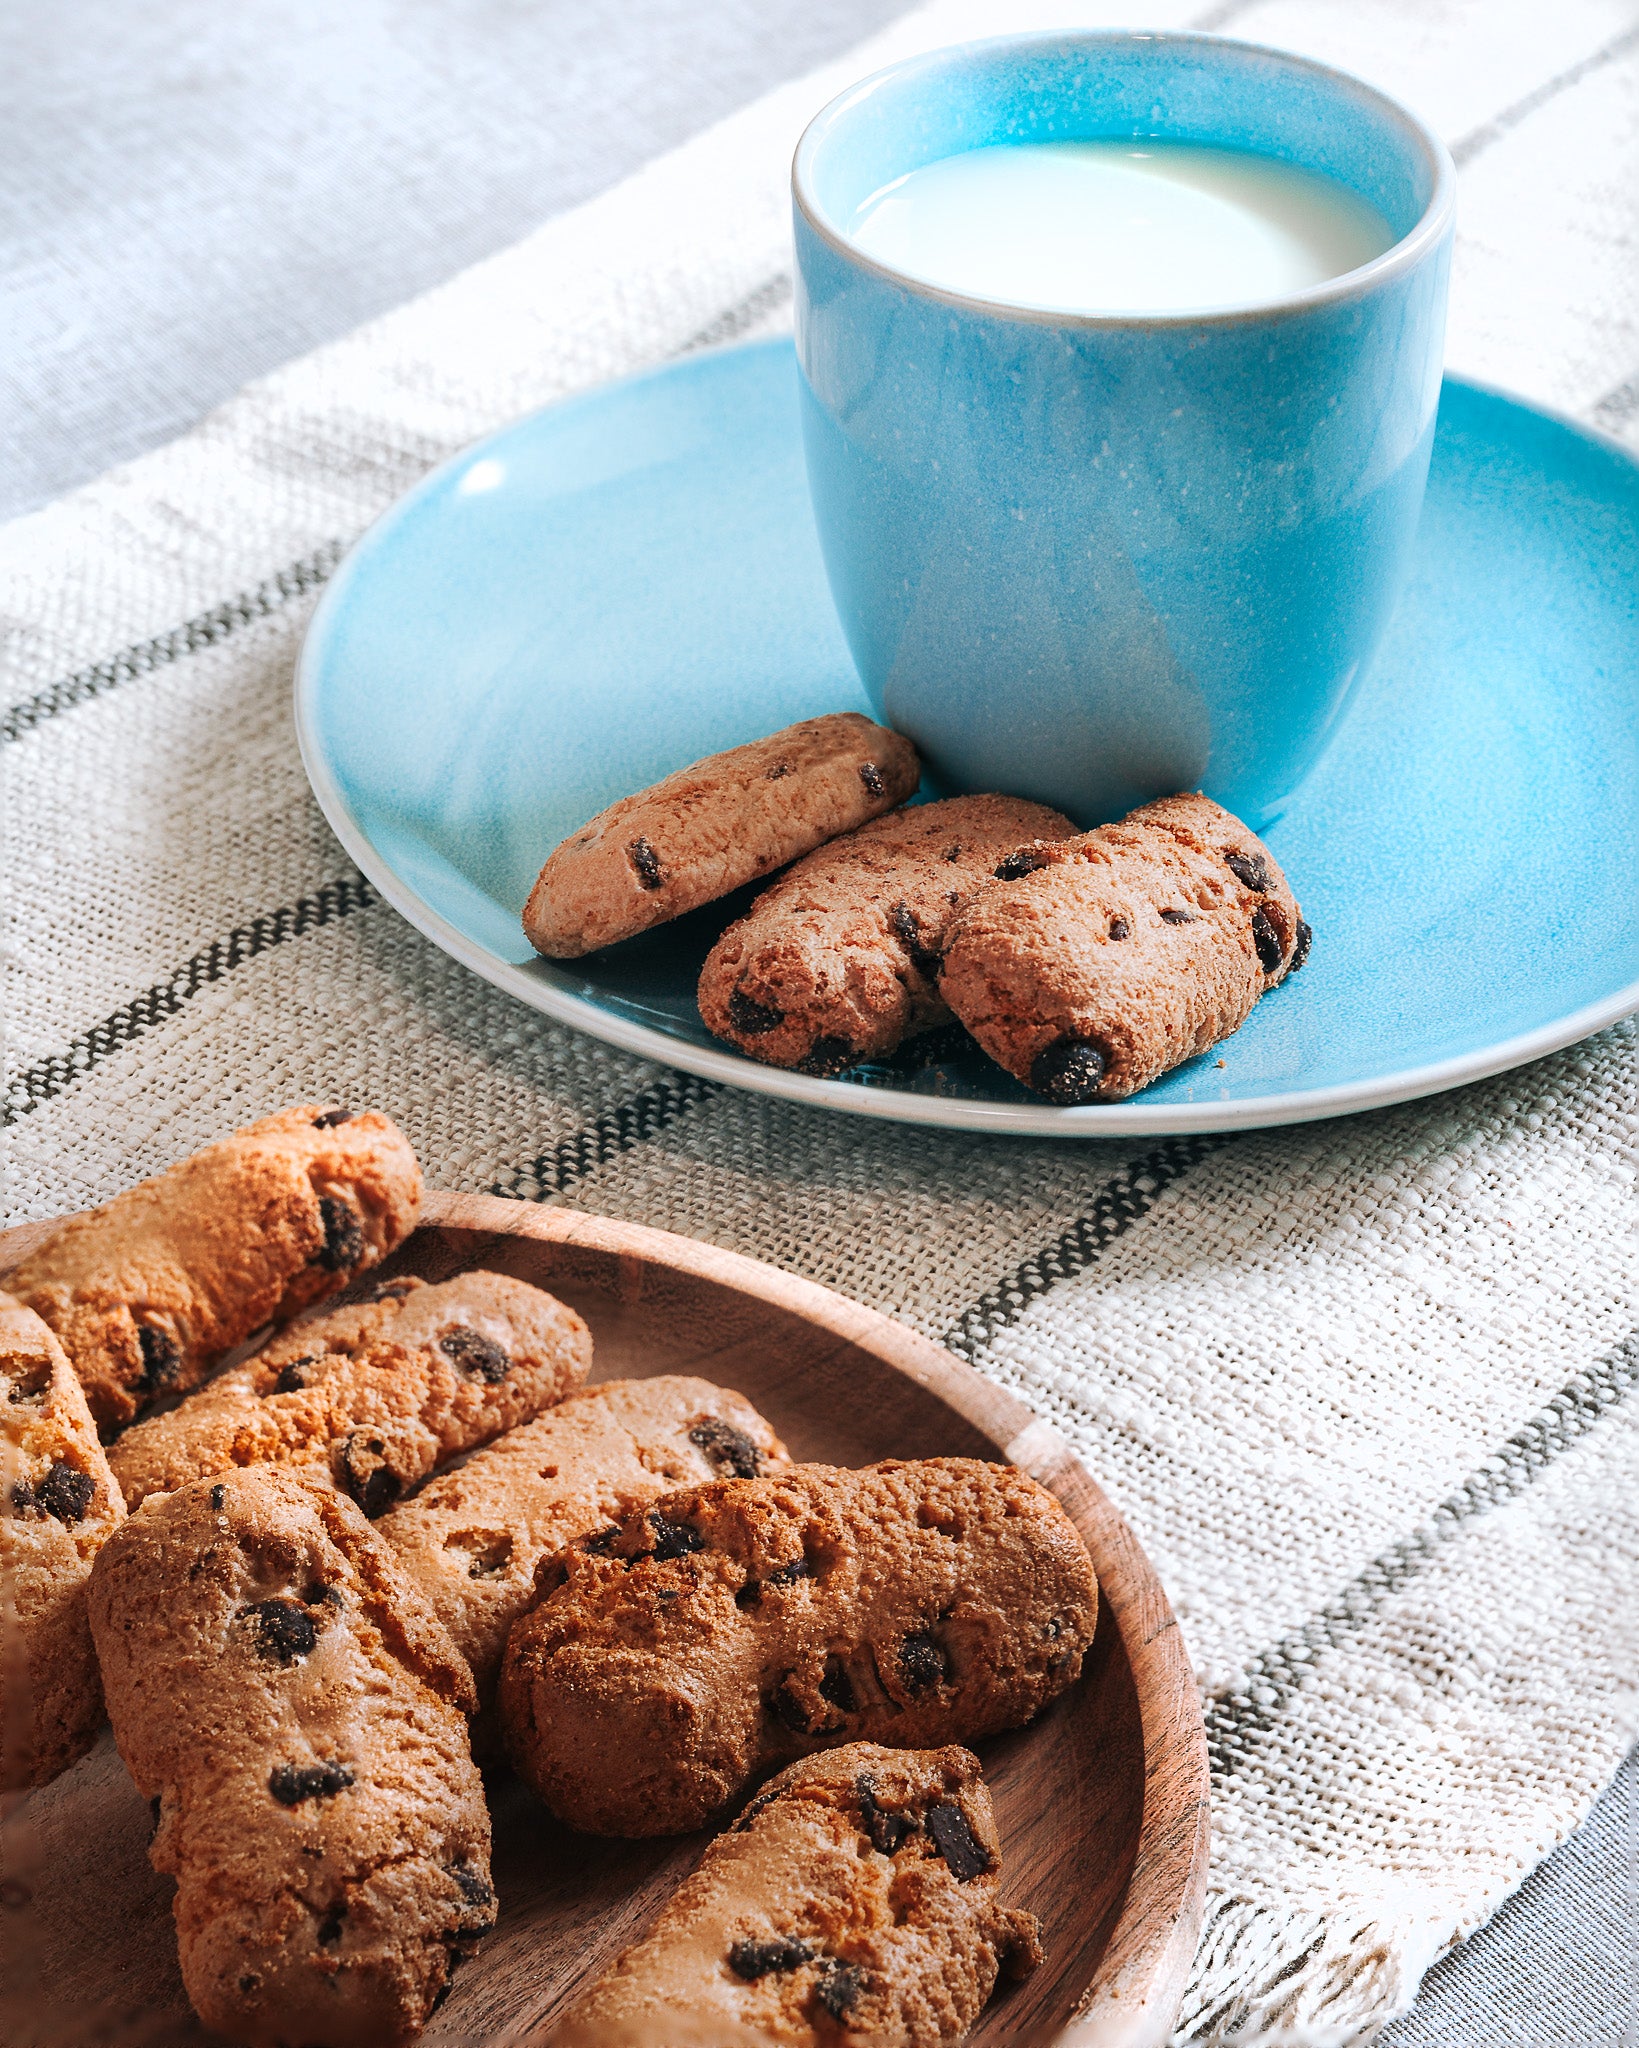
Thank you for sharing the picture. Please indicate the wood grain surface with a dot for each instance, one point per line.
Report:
(1102, 1803)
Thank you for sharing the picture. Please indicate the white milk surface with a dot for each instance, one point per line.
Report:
(1118, 227)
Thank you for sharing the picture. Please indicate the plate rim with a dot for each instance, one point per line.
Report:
(892, 1105)
(1135, 1994)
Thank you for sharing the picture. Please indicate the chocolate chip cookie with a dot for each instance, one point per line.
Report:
(856, 1899)
(732, 1627)
(375, 1395)
(1100, 962)
(472, 1540)
(298, 1717)
(839, 960)
(146, 1293)
(728, 820)
(59, 1503)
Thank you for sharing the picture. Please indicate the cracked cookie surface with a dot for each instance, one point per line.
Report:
(472, 1540)
(857, 1898)
(376, 1395)
(838, 960)
(299, 1716)
(59, 1503)
(1125, 951)
(149, 1291)
(732, 1627)
(713, 827)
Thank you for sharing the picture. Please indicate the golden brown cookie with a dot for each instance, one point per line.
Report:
(298, 1716)
(857, 1898)
(59, 1503)
(1117, 955)
(728, 820)
(149, 1291)
(376, 1395)
(471, 1541)
(732, 1627)
(838, 960)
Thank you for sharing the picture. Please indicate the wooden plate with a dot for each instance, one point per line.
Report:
(1102, 1803)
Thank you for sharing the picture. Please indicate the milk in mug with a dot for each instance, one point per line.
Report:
(1118, 227)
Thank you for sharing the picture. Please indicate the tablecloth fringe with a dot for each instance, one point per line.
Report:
(1293, 1979)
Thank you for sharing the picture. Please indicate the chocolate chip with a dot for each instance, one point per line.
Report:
(64, 1493)
(343, 1234)
(1266, 939)
(284, 1631)
(826, 1056)
(329, 1930)
(479, 1895)
(779, 771)
(754, 1959)
(370, 1482)
(601, 1542)
(725, 1447)
(332, 1118)
(480, 1357)
(871, 775)
(476, 1890)
(645, 863)
(219, 1499)
(954, 852)
(751, 1593)
(250, 1982)
(292, 1377)
(908, 931)
(1068, 1071)
(956, 1842)
(290, 1784)
(762, 1799)
(750, 1018)
(1250, 868)
(1177, 917)
(786, 1707)
(837, 1687)
(838, 1987)
(1017, 865)
(673, 1539)
(921, 1661)
(161, 1358)
(1300, 950)
(1120, 929)
(886, 1830)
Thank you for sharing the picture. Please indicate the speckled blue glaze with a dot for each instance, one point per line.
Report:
(1093, 560)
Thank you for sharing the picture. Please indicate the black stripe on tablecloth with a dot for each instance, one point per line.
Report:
(208, 629)
(26, 1091)
(1120, 1203)
(623, 1128)
(741, 317)
(1237, 1719)
(1477, 140)
(1618, 405)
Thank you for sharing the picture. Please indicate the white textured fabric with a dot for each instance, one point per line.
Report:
(1366, 1389)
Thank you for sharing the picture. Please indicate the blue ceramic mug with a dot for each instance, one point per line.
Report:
(1091, 559)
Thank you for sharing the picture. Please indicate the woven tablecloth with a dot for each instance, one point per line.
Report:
(1364, 1388)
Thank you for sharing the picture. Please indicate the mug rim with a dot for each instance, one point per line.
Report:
(1402, 255)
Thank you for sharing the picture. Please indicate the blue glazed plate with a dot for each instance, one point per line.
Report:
(618, 585)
